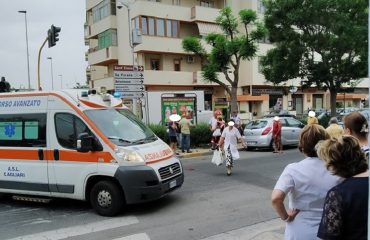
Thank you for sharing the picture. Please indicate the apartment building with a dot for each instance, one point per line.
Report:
(163, 24)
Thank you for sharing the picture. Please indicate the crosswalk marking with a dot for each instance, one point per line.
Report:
(82, 229)
(140, 236)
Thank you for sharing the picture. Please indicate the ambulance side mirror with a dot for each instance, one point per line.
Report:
(84, 142)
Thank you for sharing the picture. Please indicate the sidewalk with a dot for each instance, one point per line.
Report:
(197, 152)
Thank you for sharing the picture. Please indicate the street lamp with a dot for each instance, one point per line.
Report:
(52, 78)
(61, 81)
(120, 4)
(28, 56)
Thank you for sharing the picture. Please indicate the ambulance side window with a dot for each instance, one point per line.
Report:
(68, 127)
(23, 130)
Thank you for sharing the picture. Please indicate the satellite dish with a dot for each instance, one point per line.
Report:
(293, 89)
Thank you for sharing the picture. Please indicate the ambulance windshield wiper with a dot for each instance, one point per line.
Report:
(120, 139)
(145, 140)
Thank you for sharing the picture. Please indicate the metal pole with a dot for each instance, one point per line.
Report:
(61, 81)
(38, 65)
(51, 67)
(28, 55)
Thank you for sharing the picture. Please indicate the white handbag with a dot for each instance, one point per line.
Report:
(217, 158)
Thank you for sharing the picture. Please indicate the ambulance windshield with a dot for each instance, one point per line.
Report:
(121, 126)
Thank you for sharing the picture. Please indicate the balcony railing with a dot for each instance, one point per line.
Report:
(103, 56)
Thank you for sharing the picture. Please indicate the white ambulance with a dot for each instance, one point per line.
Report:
(82, 145)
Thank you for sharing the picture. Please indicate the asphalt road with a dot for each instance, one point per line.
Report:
(208, 204)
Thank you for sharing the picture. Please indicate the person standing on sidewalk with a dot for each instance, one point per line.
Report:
(306, 183)
(334, 130)
(346, 205)
(185, 125)
(355, 124)
(276, 135)
(213, 125)
(229, 142)
(312, 119)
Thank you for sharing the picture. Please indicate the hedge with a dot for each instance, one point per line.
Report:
(200, 135)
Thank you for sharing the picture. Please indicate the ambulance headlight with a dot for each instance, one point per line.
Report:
(129, 156)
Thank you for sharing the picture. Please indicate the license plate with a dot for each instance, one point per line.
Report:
(173, 184)
(251, 143)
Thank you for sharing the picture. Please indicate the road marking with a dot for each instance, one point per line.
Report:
(140, 236)
(62, 233)
(272, 230)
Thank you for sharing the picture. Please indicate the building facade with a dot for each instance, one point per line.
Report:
(163, 24)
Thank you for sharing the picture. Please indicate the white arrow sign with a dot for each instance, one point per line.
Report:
(128, 75)
(129, 88)
(134, 81)
(132, 94)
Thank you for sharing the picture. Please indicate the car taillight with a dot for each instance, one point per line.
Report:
(266, 131)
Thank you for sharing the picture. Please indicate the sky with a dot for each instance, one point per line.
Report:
(68, 56)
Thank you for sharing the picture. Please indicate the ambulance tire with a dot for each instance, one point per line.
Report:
(107, 198)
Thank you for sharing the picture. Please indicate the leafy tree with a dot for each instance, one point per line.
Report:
(322, 42)
(228, 49)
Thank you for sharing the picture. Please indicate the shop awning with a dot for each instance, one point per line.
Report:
(206, 28)
(351, 96)
(250, 98)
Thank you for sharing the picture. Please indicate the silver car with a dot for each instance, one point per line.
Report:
(258, 133)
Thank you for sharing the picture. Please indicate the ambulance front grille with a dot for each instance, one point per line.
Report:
(169, 171)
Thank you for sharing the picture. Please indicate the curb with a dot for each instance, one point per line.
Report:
(195, 153)
(198, 153)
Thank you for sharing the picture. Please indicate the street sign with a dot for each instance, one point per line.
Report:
(132, 94)
(130, 88)
(129, 81)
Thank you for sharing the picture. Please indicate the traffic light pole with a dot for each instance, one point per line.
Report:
(38, 65)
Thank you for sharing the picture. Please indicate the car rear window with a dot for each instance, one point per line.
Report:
(256, 124)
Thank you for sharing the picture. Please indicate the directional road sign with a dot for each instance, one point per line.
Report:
(130, 88)
(133, 94)
(129, 81)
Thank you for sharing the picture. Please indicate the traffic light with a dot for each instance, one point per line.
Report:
(53, 34)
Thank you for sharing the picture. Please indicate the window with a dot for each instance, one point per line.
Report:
(293, 123)
(107, 38)
(206, 3)
(175, 28)
(169, 28)
(177, 65)
(68, 127)
(157, 26)
(176, 2)
(23, 130)
(160, 27)
(103, 10)
(154, 64)
(144, 25)
(151, 26)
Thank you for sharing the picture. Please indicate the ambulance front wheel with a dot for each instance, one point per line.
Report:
(107, 198)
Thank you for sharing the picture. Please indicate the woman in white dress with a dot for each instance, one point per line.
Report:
(229, 141)
(306, 184)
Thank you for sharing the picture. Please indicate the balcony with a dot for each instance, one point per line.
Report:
(160, 10)
(91, 3)
(174, 78)
(103, 57)
(107, 82)
(160, 44)
(204, 14)
(94, 29)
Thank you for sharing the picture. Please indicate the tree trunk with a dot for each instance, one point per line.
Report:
(333, 101)
(233, 99)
